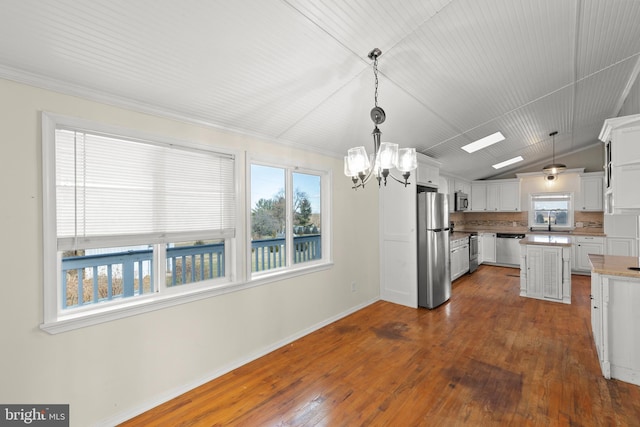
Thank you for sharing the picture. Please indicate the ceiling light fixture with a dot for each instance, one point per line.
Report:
(508, 162)
(386, 155)
(553, 169)
(483, 142)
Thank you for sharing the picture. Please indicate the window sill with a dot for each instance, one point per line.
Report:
(157, 302)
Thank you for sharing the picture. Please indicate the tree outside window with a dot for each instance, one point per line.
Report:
(270, 232)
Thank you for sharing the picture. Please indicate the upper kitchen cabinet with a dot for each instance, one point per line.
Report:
(462, 186)
(428, 171)
(478, 196)
(621, 136)
(591, 192)
(497, 196)
(453, 185)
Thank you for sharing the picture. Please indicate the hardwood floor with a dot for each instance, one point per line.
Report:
(487, 357)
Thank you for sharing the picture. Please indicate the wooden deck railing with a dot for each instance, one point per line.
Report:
(89, 279)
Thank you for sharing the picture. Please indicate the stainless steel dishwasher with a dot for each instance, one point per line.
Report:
(508, 248)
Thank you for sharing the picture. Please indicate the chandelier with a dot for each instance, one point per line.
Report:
(551, 171)
(386, 155)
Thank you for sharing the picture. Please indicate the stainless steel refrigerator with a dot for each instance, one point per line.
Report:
(434, 277)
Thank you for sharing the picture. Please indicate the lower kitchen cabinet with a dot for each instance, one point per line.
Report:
(459, 258)
(486, 247)
(582, 247)
(621, 246)
(545, 272)
(614, 302)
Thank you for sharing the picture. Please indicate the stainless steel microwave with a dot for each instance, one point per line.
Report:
(461, 201)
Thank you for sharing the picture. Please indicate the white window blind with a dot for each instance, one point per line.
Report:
(138, 192)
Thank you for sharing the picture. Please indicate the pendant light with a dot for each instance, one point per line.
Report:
(554, 168)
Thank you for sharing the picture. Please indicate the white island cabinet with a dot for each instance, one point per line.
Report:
(545, 268)
(615, 298)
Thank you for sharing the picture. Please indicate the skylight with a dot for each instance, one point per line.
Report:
(508, 162)
(483, 142)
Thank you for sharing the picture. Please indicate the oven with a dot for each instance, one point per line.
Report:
(473, 252)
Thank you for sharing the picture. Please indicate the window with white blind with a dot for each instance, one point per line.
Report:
(551, 211)
(130, 219)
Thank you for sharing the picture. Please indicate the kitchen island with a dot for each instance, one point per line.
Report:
(545, 267)
(615, 318)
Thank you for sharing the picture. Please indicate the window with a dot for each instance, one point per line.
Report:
(288, 212)
(129, 218)
(551, 211)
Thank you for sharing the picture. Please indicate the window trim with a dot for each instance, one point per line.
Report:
(292, 269)
(570, 210)
(56, 321)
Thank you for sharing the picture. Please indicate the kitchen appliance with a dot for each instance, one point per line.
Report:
(434, 274)
(508, 249)
(461, 201)
(473, 252)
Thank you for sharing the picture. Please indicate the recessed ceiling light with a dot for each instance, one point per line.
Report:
(484, 142)
(508, 162)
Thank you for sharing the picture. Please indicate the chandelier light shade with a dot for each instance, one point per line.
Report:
(407, 160)
(551, 171)
(386, 156)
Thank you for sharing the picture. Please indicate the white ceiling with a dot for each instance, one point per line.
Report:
(296, 71)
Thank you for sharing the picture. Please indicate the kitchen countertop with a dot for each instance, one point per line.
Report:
(458, 235)
(546, 240)
(615, 265)
(583, 231)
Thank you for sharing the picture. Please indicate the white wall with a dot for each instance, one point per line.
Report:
(566, 182)
(121, 367)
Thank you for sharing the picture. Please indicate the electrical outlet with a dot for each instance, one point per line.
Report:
(515, 224)
(353, 286)
(579, 224)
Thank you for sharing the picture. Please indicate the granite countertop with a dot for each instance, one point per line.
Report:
(458, 235)
(546, 240)
(615, 265)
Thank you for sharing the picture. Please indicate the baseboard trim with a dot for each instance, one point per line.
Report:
(171, 394)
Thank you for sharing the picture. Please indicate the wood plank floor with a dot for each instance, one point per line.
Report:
(487, 357)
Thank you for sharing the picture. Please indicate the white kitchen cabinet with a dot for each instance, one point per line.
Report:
(478, 196)
(596, 313)
(614, 319)
(622, 164)
(545, 272)
(498, 196)
(454, 185)
(621, 246)
(509, 196)
(459, 258)
(493, 196)
(591, 192)
(487, 247)
(449, 191)
(428, 171)
(462, 186)
(623, 235)
(582, 247)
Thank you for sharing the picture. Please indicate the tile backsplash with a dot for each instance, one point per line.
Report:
(516, 219)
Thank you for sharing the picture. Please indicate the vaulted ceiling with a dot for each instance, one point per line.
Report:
(297, 71)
